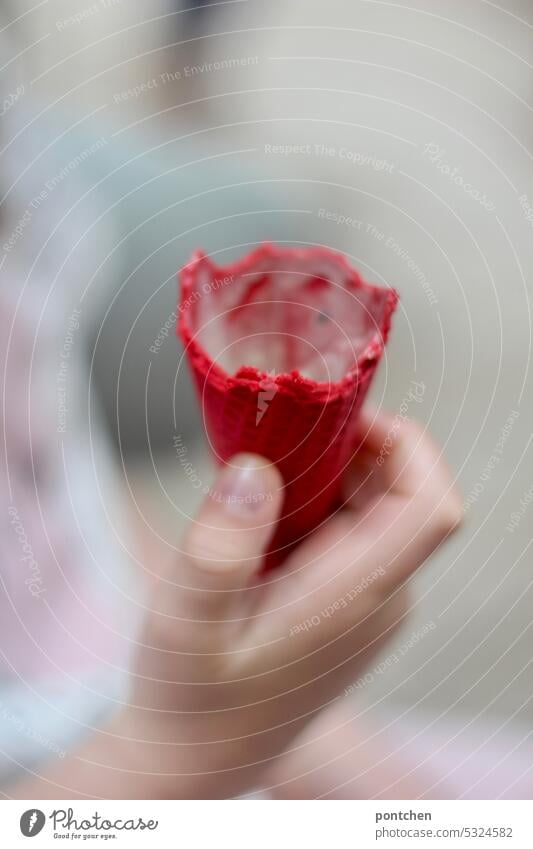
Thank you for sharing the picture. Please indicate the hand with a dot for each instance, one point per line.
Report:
(234, 662)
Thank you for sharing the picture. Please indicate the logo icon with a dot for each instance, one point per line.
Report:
(267, 391)
(32, 822)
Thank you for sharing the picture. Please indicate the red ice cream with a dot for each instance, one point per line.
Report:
(283, 345)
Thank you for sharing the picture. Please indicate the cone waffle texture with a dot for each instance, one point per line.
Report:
(283, 345)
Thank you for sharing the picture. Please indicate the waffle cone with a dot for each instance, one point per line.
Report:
(283, 345)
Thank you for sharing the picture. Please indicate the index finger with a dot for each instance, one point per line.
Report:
(405, 455)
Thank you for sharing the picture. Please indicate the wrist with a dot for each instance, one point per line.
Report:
(174, 760)
(151, 754)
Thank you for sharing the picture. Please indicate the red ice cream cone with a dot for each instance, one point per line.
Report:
(283, 345)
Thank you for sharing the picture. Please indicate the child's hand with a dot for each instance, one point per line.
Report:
(235, 663)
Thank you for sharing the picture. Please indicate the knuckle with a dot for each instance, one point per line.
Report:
(450, 513)
(412, 433)
(414, 429)
(208, 549)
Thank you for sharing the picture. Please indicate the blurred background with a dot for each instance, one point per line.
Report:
(132, 134)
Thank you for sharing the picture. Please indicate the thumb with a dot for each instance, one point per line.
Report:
(224, 545)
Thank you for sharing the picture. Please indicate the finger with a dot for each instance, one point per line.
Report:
(385, 543)
(224, 545)
(345, 756)
(379, 546)
(404, 453)
(328, 650)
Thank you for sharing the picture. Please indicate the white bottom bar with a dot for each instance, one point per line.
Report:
(268, 825)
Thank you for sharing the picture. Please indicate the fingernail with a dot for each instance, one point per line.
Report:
(244, 485)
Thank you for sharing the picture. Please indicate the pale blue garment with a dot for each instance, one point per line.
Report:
(63, 667)
(121, 216)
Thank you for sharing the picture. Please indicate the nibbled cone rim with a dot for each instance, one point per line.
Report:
(291, 382)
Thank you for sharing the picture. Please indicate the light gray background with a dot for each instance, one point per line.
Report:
(382, 79)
